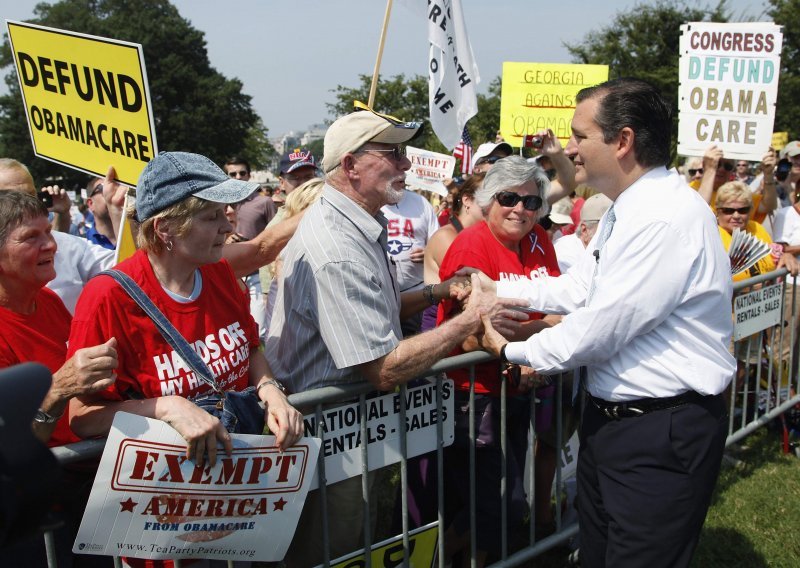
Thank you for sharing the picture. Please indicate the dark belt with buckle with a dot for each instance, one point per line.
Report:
(633, 408)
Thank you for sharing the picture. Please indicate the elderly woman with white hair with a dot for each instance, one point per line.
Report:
(507, 245)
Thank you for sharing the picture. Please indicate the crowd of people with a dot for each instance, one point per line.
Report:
(592, 261)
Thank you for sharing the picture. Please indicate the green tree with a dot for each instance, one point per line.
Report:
(644, 41)
(787, 113)
(317, 148)
(484, 125)
(257, 148)
(195, 107)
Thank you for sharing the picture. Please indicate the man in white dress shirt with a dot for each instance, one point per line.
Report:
(650, 320)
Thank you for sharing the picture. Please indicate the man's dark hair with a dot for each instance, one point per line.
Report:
(638, 105)
(15, 209)
(238, 160)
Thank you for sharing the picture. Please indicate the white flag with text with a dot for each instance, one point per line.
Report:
(452, 72)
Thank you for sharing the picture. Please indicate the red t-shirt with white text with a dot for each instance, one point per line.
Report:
(217, 324)
(477, 247)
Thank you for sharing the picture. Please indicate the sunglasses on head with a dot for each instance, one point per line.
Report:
(510, 199)
(732, 210)
(693, 171)
(397, 153)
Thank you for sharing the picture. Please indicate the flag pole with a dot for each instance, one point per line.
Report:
(376, 72)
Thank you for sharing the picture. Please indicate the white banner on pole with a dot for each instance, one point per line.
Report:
(452, 72)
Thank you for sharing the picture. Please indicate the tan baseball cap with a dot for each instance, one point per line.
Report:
(350, 132)
(595, 207)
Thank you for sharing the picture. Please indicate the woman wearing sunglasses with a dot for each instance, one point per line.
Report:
(718, 170)
(507, 244)
(734, 208)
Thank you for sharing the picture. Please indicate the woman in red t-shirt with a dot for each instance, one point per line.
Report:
(180, 205)
(508, 244)
(34, 324)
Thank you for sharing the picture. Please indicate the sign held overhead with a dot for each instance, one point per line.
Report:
(86, 100)
(728, 88)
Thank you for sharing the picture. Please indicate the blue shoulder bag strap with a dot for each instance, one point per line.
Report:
(167, 330)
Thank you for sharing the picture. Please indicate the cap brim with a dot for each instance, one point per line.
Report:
(560, 219)
(399, 133)
(229, 191)
(299, 165)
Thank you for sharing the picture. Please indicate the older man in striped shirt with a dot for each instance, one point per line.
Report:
(338, 310)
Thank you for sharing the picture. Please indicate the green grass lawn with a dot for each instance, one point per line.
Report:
(754, 519)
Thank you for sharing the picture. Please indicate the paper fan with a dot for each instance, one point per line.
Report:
(745, 251)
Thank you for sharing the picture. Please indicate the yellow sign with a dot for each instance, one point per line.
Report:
(126, 242)
(86, 99)
(536, 96)
(389, 553)
(779, 140)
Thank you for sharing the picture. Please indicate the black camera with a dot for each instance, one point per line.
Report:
(782, 169)
(46, 198)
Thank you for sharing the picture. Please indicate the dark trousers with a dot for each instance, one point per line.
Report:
(645, 483)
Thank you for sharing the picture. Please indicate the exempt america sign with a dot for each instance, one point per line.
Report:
(149, 501)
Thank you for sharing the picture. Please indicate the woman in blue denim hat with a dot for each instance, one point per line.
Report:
(180, 206)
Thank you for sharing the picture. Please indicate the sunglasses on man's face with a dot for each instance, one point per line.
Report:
(693, 171)
(97, 189)
(727, 166)
(510, 199)
(732, 210)
(397, 153)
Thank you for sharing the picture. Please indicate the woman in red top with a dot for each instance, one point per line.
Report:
(180, 204)
(508, 244)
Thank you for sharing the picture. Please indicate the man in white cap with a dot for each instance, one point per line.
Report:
(570, 248)
(487, 154)
(338, 311)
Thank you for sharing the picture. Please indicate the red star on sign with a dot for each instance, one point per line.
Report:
(279, 504)
(127, 505)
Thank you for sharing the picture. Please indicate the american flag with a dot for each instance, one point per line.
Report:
(463, 150)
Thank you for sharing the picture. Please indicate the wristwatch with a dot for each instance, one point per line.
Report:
(272, 382)
(43, 417)
(503, 358)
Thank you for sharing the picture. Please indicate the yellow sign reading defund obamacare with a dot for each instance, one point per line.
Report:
(537, 96)
(86, 99)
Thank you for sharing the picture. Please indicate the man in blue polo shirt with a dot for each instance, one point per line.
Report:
(101, 232)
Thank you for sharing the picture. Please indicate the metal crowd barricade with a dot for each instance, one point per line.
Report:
(764, 388)
(767, 383)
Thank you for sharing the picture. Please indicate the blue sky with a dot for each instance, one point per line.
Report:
(289, 55)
